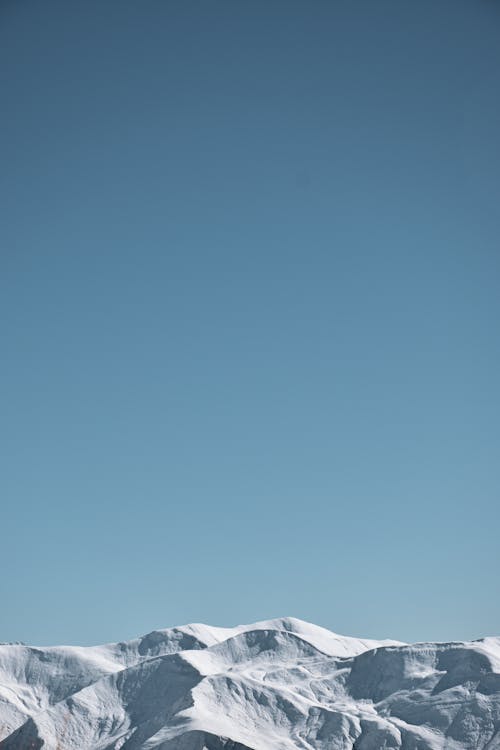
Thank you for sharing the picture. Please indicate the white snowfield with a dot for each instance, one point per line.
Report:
(276, 685)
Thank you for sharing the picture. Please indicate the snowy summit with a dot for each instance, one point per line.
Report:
(276, 685)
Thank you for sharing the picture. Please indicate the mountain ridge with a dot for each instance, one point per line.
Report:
(273, 685)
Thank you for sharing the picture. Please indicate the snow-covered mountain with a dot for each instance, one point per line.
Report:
(276, 685)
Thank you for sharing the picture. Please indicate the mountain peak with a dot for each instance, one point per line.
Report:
(277, 684)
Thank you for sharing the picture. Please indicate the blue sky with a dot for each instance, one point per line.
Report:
(250, 309)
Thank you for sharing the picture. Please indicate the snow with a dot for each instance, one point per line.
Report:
(278, 684)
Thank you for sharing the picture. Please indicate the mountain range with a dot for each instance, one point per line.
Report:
(280, 684)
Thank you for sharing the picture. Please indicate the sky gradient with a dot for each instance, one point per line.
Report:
(250, 305)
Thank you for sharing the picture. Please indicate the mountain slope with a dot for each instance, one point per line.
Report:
(277, 685)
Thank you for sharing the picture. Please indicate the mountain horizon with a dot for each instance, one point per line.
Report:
(272, 685)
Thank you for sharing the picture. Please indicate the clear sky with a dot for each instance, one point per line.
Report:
(250, 315)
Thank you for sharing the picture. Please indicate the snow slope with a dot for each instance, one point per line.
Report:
(276, 685)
